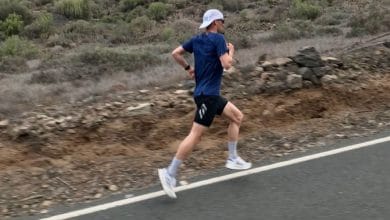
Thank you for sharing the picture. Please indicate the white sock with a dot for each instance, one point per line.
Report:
(174, 166)
(232, 145)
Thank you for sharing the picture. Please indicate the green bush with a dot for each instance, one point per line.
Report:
(141, 25)
(128, 5)
(293, 31)
(183, 29)
(74, 9)
(333, 31)
(139, 11)
(13, 25)
(304, 10)
(15, 46)
(371, 21)
(42, 2)
(42, 26)
(232, 6)
(82, 31)
(167, 34)
(129, 61)
(158, 11)
(180, 4)
(8, 7)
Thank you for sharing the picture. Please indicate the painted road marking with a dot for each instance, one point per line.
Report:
(214, 180)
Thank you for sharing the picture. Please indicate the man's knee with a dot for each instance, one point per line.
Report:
(239, 117)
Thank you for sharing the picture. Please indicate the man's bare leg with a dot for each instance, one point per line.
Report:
(235, 116)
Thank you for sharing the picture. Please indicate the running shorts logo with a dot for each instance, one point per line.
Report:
(202, 111)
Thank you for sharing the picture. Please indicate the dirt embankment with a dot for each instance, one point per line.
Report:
(139, 132)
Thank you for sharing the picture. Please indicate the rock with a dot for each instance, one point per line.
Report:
(387, 44)
(181, 91)
(143, 108)
(98, 196)
(328, 79)
(117, 104)
(46, 203)
(308, 57)
(275, 87)
(332, 60)
(259, 69)
(282, 61)
(113, 188)
(143, 91)
(4, 123)
(261, 59)
(33, 64)
(294, 81)
(321, 71)
(308, 74)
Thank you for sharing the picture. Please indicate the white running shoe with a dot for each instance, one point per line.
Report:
(167, 182)
(238, 164)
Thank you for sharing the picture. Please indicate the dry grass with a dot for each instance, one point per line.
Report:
(324, 45)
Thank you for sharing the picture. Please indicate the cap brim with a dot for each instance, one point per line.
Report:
(204, 25)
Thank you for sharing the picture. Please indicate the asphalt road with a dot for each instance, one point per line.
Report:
(351, 185)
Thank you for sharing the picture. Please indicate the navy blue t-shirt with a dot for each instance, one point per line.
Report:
(207, 48)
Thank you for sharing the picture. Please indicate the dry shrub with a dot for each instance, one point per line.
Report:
(371, 20)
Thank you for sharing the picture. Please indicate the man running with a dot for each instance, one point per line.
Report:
(212, 55)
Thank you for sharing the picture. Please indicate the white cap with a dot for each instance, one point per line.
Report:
(210, 16)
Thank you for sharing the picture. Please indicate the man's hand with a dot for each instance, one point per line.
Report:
(230, 46)
(191, 73)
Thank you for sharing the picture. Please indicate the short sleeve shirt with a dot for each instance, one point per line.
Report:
(207, 48)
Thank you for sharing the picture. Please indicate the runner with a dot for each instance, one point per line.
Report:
(212, 55)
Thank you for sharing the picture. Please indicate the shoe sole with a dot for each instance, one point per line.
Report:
(166, 189)
(236, 168)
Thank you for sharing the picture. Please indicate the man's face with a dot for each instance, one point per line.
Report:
(220, 26)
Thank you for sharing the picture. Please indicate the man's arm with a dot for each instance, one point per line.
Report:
(227, 58)
(177, 54)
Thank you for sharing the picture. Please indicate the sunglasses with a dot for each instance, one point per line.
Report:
(221, 20)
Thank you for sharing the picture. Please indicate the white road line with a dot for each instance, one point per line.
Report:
(214, 180)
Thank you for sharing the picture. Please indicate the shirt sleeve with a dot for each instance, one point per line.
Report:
(221, 45)
(189, 45)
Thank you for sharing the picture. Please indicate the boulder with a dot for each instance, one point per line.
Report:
(308, 57)
(294, 81)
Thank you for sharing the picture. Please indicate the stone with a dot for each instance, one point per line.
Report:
(143, 108)
(321, 71)
(4, 123)
(294, 81)
(181, 91)
(328, 79)
(46, 203)
(308, 57)
(34, 64)
(98, 196)
(113, 188)
(308, 74)
(332, 60)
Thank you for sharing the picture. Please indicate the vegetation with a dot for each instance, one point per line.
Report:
(41, 27)
(74, 9)
(12, 25)
(81, 39)
(15, 46)
(8, 7)
(373, 20)
(305, 10)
